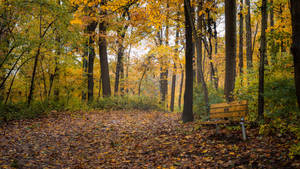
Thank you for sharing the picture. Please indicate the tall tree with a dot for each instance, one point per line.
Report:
(120, 59)
(91, 57)
(199, 54)
(42, 33)
(187, 114)
(230, 47)
(181, 86)
(263, 45)
(198, 36)
(248, 36)
(174, 68)
(106, 90)
(273, 44)
(295, 11)
(241, 38)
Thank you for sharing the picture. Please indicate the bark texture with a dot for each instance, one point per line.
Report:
(230, 47)
(263, 46)
(241, 40)
(187, 114)
(91, 58)
(248, 36)
(106, 90)
(295, 11)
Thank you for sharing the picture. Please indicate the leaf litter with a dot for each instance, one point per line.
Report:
(134, 139)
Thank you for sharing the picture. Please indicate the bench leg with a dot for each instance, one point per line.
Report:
(243, 130)
(217, 129)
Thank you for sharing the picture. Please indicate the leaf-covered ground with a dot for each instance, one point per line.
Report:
(134, 139)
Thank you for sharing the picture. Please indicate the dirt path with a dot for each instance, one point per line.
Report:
(133, 139)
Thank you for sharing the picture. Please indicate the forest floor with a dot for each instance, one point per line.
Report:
(135, 139)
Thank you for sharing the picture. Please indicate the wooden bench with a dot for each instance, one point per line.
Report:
(228, 113)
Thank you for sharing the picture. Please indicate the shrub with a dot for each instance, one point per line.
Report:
(215, 96)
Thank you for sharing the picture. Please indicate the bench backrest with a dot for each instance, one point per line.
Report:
(232, 110)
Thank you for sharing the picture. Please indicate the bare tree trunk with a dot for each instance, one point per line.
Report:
(174, 68)
(33, 75)
(120, 60)
(91, 58)
(84, 71)
(199, 54)
(141, 80)
(173, 88)
(274, 48)
(230, 47)
(187, 114)
(295, 11)
(181, 86)
(248, 37)
(241, 40)
(263, 46)
(106, 90)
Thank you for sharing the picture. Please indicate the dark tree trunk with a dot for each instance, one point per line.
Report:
(106, 90)
(55, 74)
(295, 11)
(263, 46)
(120, 61)
(187, 114)
(248, 37)
(91, 56)
(173, 88)
(181, 86)
(199, 54)
(36, 58)
(84, 71)
(241, 40)
(274, 47)
(141, 80)
(118, 69)
(174, 60)
(230, 47)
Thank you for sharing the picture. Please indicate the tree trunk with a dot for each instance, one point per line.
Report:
(91, 56)
(241, 40)
(84, 71)
(187, 114)
(295, 11)
(199, 54)
(230, 47)
(36, 58)
(274, 48)
(120, 60)
(106, 90)
(181, 86)
(173, 88)
(248, 37)
(141, 80)
(263, 46)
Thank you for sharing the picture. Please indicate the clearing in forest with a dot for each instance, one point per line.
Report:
(134, 139)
